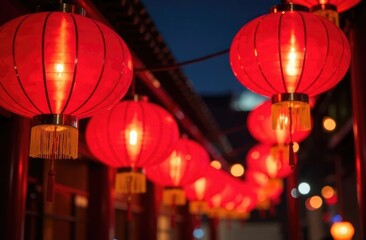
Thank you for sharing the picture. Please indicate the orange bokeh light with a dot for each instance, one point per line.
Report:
(313, 203)
(237, 170)
(216, 164)
(329, 124)
(327, 192)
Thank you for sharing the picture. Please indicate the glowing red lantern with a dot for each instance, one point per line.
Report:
(134, 134)
(52, 70)
(256, 178)
(204, 188)
(260, 158)
(260, 127)
(259, 124)
(290, 55)
(328, 8)
(187, 163)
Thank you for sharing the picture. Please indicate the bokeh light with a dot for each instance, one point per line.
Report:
(198, 233)
(237, 170)
(294, 193)
(327, 192)
(329, 124)
(304, 188)
(216, 164)
(296, 147)
(313, 203)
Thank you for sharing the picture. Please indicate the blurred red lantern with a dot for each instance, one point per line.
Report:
(260, 158)
(204, 188)
(259, 124)
(134, 134)
(290, 55)
(51, 70)
(256, 178)
(260, 127)
(187, 163)
(328, 8)
(227, 199)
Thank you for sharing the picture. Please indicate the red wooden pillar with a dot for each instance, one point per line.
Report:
(14, 173)
(293, 219)
(101, 210)
(357, 38)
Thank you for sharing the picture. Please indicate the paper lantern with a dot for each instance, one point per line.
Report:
(134, 134)
(203, 188)
(328, 8)
(54, 72)
(187, 163)
(51, 70)
(342, 230)
(261, 159)
(290, 55)
(260, 127)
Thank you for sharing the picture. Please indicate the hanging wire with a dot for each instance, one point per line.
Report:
(177, 65)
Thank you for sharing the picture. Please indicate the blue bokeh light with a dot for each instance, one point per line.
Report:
(198, 233)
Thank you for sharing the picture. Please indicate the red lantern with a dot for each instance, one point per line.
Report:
(328, 8)
(53, 71)
(260, 158)
(256, 178)
(134, 134)
(260, 126)
(188, 162)
(290, 55)
(203, 188)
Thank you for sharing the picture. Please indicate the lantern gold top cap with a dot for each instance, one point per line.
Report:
(70, 8)
(286, 7)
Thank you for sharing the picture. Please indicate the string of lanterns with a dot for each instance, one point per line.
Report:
(288, 55)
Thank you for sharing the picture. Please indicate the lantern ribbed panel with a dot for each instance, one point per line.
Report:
(228, 194)
(61, 63)
(342, 5)
(188, 162)
(289, 52)
(259, 124)
(108, 138)
(205, 187)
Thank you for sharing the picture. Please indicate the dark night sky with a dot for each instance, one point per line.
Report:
(194, 28)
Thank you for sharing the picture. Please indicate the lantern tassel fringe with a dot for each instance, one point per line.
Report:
(130, 182)
(174, 196)
(300, 114)
(42, 142)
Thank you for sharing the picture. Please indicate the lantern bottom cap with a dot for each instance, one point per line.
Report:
(283, 97)
(291, 115)
(52, 141)
(130, 182)
(174, 196)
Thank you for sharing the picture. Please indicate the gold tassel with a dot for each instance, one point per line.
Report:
(174, 196)
(197, 207)
(300, 114)
(130, 182)
(43, 137)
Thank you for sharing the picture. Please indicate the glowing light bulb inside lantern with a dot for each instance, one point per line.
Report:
(175, 167)
(271, 166)
(292, 66)
(199, 187)
(133, 138)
